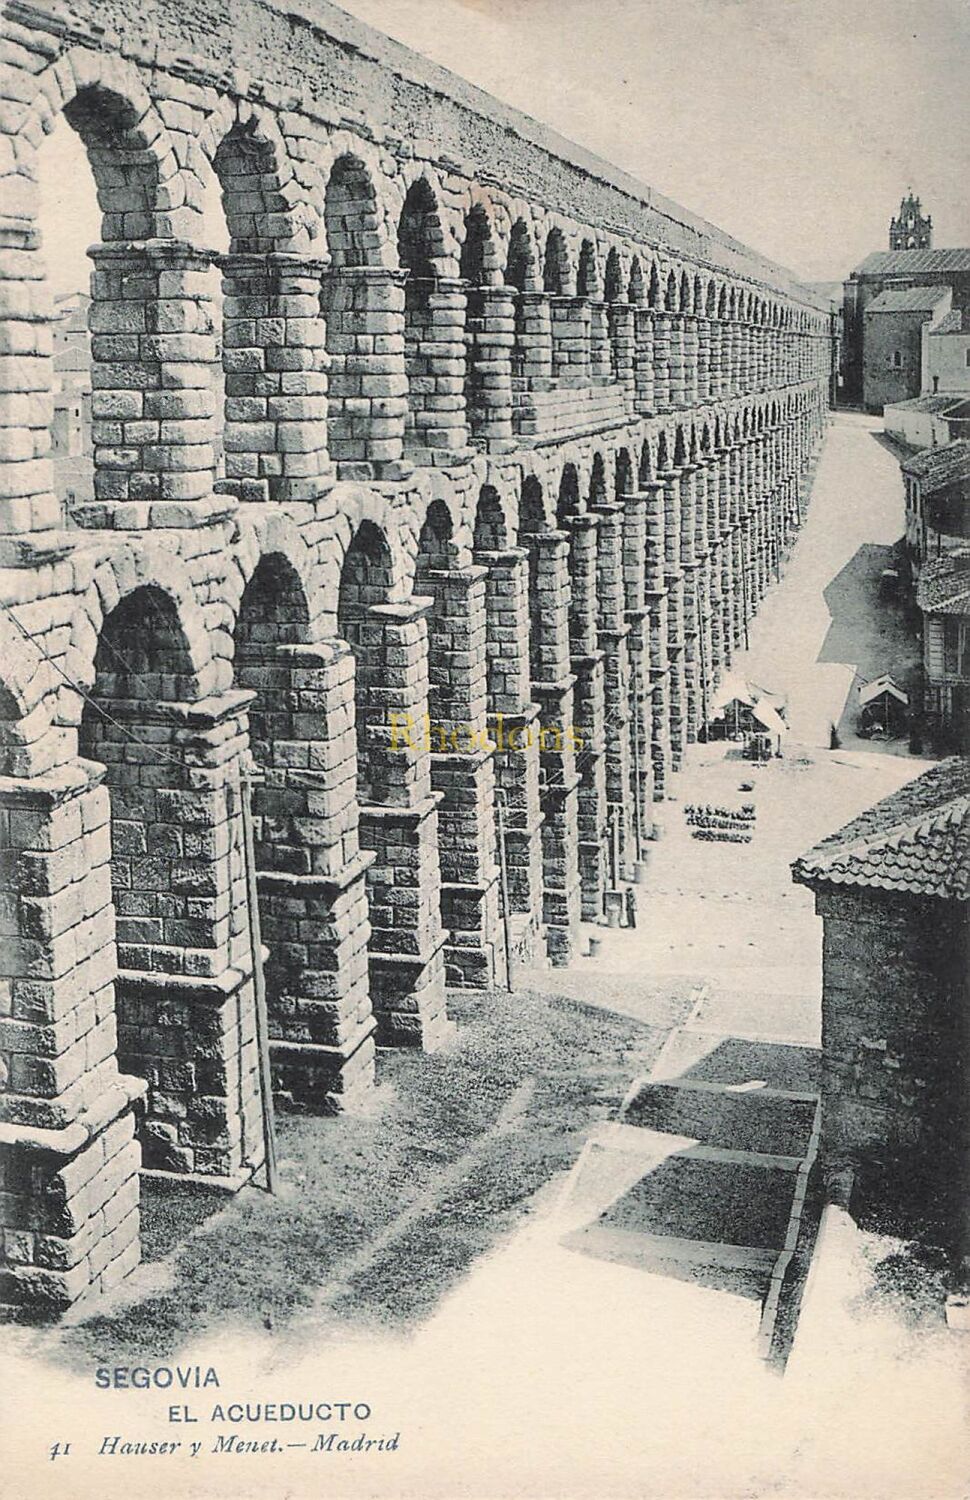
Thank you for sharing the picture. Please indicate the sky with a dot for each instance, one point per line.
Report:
(794, 125)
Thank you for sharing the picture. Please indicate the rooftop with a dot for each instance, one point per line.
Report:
(931, 404)
(908, 299)
(939, 467)
(914, 262)
(951, 322)
(916, 842)
(944, 584)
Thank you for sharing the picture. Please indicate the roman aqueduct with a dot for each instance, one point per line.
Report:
(453, 506)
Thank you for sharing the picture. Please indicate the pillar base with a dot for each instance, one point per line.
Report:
(72, 1224)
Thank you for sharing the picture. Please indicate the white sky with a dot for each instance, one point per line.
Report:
(796, 125)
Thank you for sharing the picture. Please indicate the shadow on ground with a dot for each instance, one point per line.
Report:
(869, 632)
(379, 1215)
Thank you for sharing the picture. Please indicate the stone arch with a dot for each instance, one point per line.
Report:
(103, 97)
(422, 254)
(261, 197)
(587, 273)
(655, 296)
(521, 266)
(479, 262)
(671, 303)
(635, 287)
(598, 493)
(623, 473)
(568, 502)
(271, 533)
(351, 218)
(556, 272)
(114, 579)
(366, 579)
(421, 242)
(613, 280)
(492, 531)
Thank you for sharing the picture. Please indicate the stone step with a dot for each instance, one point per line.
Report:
(712, 1196)
(775, 1121)
(741, 1269)
(712, 1057)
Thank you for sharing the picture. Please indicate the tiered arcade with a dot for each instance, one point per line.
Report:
(455, 505)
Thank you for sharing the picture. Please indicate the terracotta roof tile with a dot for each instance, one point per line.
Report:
(908, 299)
(915, 261)
(935, 467)
(916, 841)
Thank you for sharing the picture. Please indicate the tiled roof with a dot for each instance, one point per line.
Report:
(915, 261)
(915, 842)
(937, 467)
(908, 299)
(932, 404)
(944, 584)
(951, 322)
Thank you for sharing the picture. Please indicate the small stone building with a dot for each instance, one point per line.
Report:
(892, 888)
(892, 354)
(946, 353)
(894, 270)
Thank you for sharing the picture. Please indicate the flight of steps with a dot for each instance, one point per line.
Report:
(704, 1175)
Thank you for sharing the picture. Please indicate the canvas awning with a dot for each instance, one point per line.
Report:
(765, 706)
(880, 686)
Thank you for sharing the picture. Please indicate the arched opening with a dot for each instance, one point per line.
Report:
(624, 474)
(273, 615)
(555, 281)
(613, 289)
(419, 245)
(472, 270)
(365, 580)
(96, 173)
(588, 286)
(272, 328)
(635, 286)
(179, 892)
(356, 313)
(597, 481)
(434, 557)
(490, 531)
(532, 523)
(520, 274)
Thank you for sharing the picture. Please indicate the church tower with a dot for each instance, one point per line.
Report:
(911, 231)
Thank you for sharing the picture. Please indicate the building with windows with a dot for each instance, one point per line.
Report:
(893, 326)
(910, 264)
(937, 550)
(946, 353)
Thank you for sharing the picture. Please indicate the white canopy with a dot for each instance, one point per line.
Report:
(767, 707)
(869, 691)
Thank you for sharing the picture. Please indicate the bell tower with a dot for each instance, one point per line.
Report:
(910, 230)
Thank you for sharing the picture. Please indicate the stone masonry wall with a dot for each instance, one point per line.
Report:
(437, 320)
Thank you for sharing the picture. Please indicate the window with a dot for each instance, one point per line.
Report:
(966, 356)
(897, 359)
(956, 647)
